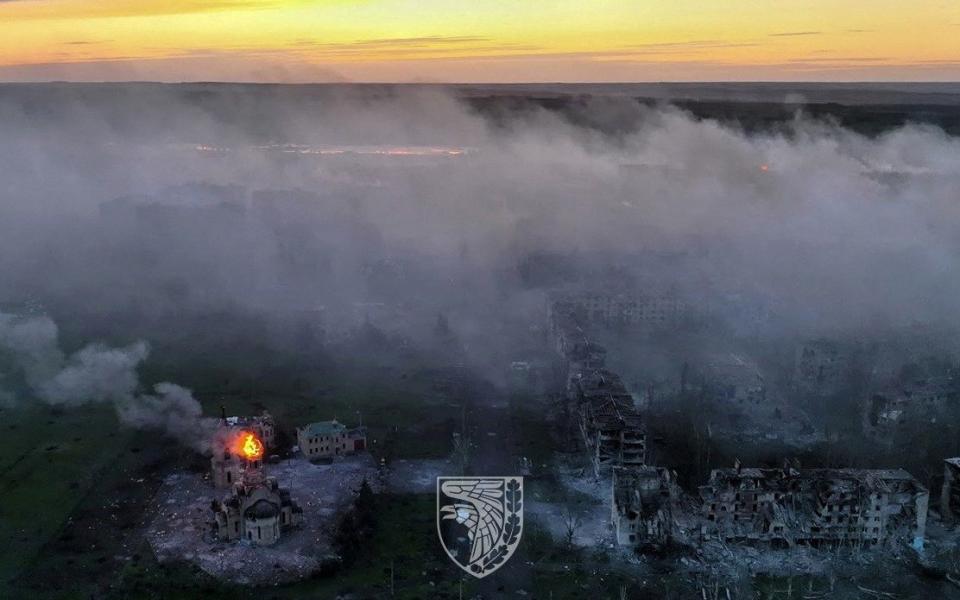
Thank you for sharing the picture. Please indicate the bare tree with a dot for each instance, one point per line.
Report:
(571, 524)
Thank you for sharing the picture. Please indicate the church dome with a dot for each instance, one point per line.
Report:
(261, 509)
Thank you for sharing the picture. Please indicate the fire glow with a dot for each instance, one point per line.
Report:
(248, 446)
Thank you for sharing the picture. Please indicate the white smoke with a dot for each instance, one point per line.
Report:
(97, 373)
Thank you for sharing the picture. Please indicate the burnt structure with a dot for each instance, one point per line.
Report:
(611, 428)
(916, 402)
(650, 310)
(820, 367)
(613, 431)
(643, 503)
(263, 426)
(258, 510)
(226, 465)
(791, 506)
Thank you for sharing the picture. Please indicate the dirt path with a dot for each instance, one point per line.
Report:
(490, 427)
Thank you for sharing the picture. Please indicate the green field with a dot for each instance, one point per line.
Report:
(75, 486)
(51, 460)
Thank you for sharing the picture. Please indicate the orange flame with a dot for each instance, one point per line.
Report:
(248, 446)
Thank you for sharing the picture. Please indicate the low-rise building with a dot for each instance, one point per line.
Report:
(643, 503)
(329, 439)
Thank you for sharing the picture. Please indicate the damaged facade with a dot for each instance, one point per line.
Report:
(258, 509)
(727, 379)
(226, 467)
(618, 310)
(917, 402)
(644, 500)
(263, 426)
(613, 431)
(608, 422)
(791, 506)
(821, 367)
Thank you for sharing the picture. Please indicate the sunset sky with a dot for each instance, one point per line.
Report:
(479, 40)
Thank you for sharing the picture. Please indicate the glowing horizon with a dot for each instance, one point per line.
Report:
(459, 41)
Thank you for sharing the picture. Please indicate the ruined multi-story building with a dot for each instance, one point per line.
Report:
(917, 402)
(643, 503)
(821, 367)
(613, 430)
(653, 309)
(950, 492)
(328, 439)
(790, 506)
(607, 419)
(258, 509)
(727, 379)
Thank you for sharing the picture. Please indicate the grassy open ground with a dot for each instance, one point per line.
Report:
(74, 484)
(50, 460)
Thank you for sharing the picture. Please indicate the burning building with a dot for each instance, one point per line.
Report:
(263, 426)
(329, 439)
(644, 501)
(258, 509)
(227, 463)
(790, 506)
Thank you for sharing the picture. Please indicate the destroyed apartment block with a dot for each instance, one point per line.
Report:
(571, 342)
(611, 427)
(918, 402)
(729, 379)
(644, 502)
(618, 310)
(789, 506)
(613, 431)
(820, 367)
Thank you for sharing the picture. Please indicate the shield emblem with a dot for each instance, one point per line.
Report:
(479, 520)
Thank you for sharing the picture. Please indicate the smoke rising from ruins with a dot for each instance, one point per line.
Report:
(166, 206)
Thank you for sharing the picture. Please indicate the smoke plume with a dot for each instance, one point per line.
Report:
(97, 373)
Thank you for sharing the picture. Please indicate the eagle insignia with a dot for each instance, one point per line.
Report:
(479, 520)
